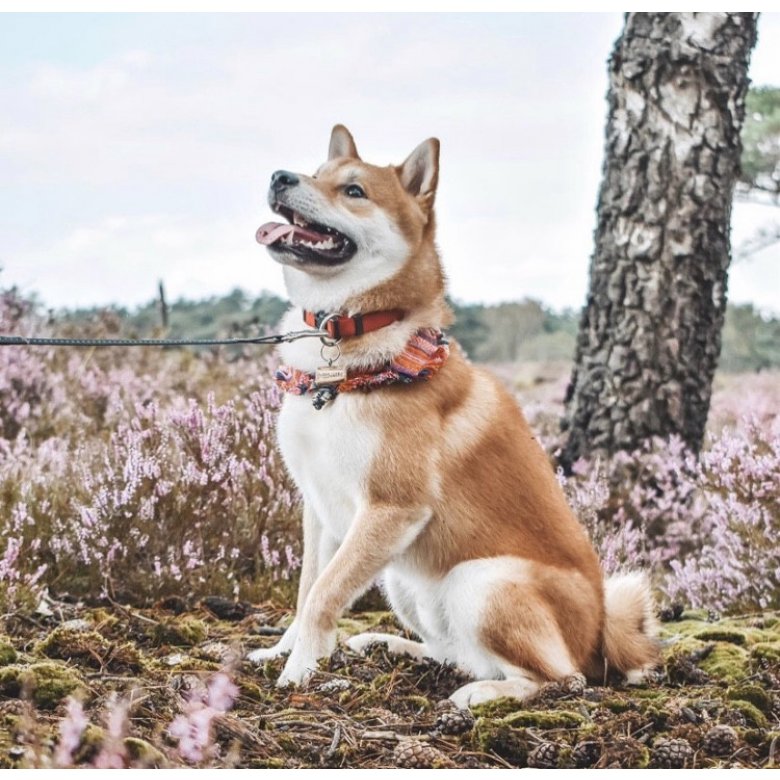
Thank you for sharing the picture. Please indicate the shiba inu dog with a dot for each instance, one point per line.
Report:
(417, 467)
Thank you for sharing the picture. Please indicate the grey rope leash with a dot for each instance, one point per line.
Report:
(23, 341)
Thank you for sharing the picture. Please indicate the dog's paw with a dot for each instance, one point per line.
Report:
(396, 645)
(362, 643)
(481, 691)
(263, 654)
(472, 694)
(295, 673)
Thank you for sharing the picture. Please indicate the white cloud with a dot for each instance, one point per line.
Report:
(153, 161)
(128, 255)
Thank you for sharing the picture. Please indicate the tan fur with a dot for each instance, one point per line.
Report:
(459, 475)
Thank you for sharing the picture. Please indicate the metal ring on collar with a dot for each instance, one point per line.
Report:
(328, 341)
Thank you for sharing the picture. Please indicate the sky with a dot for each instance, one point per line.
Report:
(138, 147)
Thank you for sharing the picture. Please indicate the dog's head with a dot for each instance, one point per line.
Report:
(352, 226)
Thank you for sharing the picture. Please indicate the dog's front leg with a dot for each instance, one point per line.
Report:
(311, 566)
(376, 536)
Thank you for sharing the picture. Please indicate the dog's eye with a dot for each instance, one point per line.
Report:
(354, 191)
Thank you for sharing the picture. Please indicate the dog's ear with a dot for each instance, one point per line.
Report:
(419, 173)
(342, 144)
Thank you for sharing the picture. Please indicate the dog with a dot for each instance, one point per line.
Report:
(416, 466)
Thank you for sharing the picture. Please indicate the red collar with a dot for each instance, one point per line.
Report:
(340, 327)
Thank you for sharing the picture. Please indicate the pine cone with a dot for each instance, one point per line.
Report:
(734, 718)
(454, 721)
(670, 613)
(720, 741)
(544, 756)
(415, 754)
(586, 754)
(574, 684)
(672, 754)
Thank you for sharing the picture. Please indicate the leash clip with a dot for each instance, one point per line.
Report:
(327, 339)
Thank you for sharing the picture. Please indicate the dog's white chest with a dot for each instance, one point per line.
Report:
(329, 453)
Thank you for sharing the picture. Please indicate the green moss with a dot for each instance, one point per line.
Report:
(511, 744)
(642, 758)
(367, 621)
(103, 621)
(722, 635)
(727, 662)
(8, 730)
(288, 743)
(658, 716)
(419, 702)
(143, 755)
(565, 760)
(544, 719)
(380, 681)
(8, 654)
(497, 708)
(250, 690)
(650, 694)
(752, 693)
(766, 650)
(758, 737)
(127, 656)
(752, 714)
(67, 644)
(185, 630)
(92, 739)
(737, 631)
(90, 648)
(617, 705)
(47, 684)
(190, 664)
(266, 763)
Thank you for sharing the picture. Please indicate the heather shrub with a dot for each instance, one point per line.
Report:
(140, 472)
(735, 558)
(706, 527)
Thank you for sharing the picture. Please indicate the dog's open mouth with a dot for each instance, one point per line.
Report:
(309, 241)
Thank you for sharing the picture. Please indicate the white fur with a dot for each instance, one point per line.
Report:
(447, 613)
(395, 644)
(329, 453)
(521, 687)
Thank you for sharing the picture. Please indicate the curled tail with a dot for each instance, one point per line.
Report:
(630, 643)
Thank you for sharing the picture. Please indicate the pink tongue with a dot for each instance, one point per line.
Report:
(272, 231)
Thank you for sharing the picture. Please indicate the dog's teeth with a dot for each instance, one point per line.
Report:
(298, 219)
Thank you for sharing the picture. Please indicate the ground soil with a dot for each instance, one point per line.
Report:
(378, 710)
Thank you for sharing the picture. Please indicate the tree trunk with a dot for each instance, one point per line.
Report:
(649, 337)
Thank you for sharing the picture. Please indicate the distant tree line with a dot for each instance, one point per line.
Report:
(507, 332)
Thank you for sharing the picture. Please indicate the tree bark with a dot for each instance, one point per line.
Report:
(649, 336)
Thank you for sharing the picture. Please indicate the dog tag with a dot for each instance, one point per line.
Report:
(329, 375)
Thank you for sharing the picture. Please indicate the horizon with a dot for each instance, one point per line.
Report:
(137, 147)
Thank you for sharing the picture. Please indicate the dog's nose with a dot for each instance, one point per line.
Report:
(282, 179)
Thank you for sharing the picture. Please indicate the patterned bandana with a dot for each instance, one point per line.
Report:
(424, 354)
